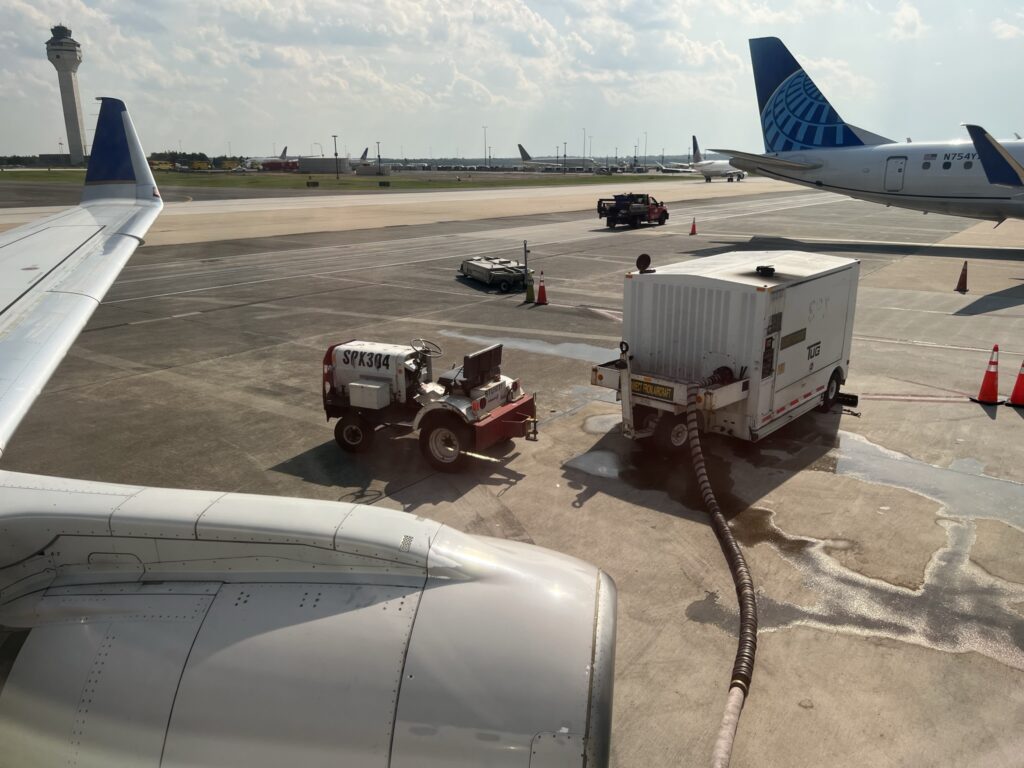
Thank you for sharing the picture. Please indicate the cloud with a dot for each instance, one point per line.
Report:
(1004, 30)
(907, 23)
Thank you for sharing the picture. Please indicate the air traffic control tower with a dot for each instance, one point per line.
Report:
(65, 54)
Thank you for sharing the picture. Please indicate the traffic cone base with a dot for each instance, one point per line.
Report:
(542, 294)
(693, 226)
(989, 392)
(961, 284)
(1017, 396)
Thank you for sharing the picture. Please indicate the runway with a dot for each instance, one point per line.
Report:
(884, 542)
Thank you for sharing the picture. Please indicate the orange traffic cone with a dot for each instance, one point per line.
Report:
(961, 284)
(693, 226)
(1017, 396)
(542, 294)
(989, 392)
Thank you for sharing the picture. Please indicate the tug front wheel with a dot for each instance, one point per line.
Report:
(444, 441)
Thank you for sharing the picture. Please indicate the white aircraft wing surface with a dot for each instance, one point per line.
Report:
(55, 272)
(158, 627)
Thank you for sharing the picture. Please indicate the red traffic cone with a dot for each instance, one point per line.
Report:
(693, 226)
(989, 392)
(542, 294)
(961, 284)
(1017, 396)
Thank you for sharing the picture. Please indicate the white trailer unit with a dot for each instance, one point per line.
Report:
(776, 326)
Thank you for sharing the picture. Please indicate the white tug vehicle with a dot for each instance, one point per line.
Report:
(368, 385)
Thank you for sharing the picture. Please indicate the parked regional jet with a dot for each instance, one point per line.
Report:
(709, 169)
(146, 626)
(807, 142)
(553, 162)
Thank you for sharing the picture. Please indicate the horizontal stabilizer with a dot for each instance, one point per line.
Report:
(766, 161)
(1000, 166)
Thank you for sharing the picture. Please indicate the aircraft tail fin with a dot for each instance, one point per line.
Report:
(794, 113)
(366, 152)
(1000, 166)
(117, 163)
(697, 157)
(524, 154)
(284, 153)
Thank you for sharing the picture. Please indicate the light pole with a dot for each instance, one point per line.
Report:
(564, 145)
(337, 169)
(485, 144)
(321, 147)
(378, 159)
(645, 150)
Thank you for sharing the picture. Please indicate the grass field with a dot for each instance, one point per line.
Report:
(419, 180)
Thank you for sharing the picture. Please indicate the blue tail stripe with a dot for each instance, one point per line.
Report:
(997, 169)
(110, 159)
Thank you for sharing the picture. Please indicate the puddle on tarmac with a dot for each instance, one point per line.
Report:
(571, 350)
(959, 607)
(602, 424)
(597, 464)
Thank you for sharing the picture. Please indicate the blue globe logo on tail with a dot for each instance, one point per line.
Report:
(797, 116)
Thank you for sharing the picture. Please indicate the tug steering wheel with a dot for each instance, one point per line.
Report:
(426, 348)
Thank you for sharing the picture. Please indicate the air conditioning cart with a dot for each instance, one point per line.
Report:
(767, 334)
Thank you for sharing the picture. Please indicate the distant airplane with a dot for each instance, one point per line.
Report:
(362, 159)
(151, 626)
(548, 162)
(709, 169)
(807, 142)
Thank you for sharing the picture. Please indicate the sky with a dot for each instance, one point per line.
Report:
(424, 77)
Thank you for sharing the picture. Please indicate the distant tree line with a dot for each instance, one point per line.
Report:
(18, 160)
(174, 156)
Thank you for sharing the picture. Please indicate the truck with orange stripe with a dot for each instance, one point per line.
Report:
(763, 337)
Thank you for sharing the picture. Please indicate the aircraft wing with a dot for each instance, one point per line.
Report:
(54, 272)
(1000, 166)
(766, 161)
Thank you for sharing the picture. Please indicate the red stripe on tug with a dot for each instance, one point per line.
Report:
(516, 419)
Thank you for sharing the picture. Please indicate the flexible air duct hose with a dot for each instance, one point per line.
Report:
(743, 667)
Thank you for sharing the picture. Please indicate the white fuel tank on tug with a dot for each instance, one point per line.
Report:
(374, 374)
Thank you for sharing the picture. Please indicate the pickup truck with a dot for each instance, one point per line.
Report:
(632, 209)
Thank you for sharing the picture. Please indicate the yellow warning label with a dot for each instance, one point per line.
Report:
(648, 389)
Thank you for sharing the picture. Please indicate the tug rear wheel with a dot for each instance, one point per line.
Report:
(353, 433)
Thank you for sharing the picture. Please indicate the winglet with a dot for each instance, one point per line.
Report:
(524, 154)
(1000, 166)
(117, 163)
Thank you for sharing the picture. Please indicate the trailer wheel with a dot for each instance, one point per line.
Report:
(634, 222)
(353, 433)
(610, 223)
(505, 286)
(671, 435)
(444, 442)
(831, 393)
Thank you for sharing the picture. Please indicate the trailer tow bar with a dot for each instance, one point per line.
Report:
(743, 666)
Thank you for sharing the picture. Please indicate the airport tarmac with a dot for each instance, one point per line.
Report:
(884, 541)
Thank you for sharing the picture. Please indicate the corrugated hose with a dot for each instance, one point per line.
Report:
(743, 667)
